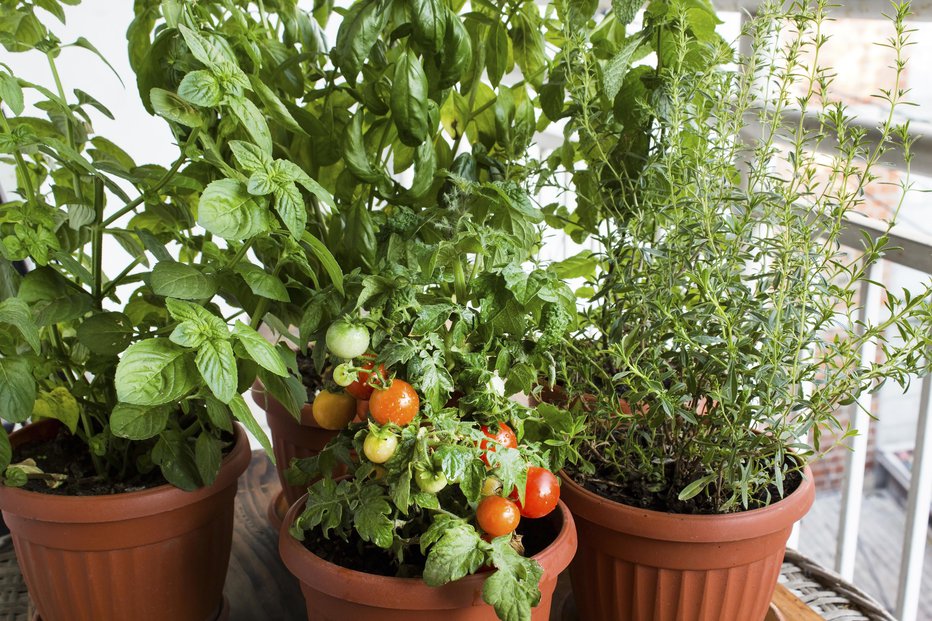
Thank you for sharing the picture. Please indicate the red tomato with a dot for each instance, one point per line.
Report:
(360, 388)
(497, 516)
(502, 436)
(541, 493)
(398, 403)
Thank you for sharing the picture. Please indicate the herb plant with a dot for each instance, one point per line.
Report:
(140, 365)
(725, 332)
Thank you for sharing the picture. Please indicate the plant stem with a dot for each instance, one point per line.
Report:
(31, 195)
(97, 247)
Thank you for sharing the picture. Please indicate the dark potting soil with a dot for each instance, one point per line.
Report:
(312, 380)
(68, 455)
(359, 555)
(638, 492)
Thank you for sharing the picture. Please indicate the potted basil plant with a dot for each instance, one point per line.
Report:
(725, 331)
(119, 492)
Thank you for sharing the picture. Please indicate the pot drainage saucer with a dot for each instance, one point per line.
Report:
(223, 614)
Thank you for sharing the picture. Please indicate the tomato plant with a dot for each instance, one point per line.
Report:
(396, 403)
(497, 516)
(429, 480)
(360, 387)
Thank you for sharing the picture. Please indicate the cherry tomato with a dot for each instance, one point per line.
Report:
(344, 376)
(500, 436)
(379, 447)
(398, 403)
(333, 410)
(360, 388)
(430, 481)
(541, 493)
(491, 486)
(347, 340)
(497, 516)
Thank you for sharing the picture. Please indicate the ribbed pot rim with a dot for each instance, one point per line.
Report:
(406, 593)
(126, 506)
(716, 528)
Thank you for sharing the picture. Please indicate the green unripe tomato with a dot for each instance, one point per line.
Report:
(343, 375)
(430, 481)
(379, 448)
(346, 340)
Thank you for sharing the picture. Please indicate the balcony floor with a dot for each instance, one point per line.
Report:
(877, 567)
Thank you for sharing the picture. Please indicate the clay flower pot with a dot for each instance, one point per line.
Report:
(334, 593)
(156, 554)
(290, 439)
(641, 565)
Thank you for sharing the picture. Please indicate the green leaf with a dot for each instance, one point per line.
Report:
(106, 333)
(200, 88)
(326, 258)
(11, 93)
(14, 312)
(262, 283)
(429, 21)
(259, 349)
(249, 156)
(625, 10)
(217, 364)
(207, 457)
(371, 517)
(53, 298)
(289, 391)
(580, 265)
(153, 372)
(513, 590)
(174, 456)
(617, 68)
(290, 207)
(454, 550)
(227, 210)
(204, 321)
(6, 451)
(409, 100)
(274, 107)
(59, 404)
(253, 121)
(218, 413)
(496, 53)
(173, 108)
(171, 279)
(359, 30)
(243, 414)
(87, 45)
(692, 490)
(207, 49)
(135, 422)
(355, 154)
(431, 317)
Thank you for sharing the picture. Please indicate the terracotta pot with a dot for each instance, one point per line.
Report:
(151, 555)
(641, 565)
(290, 439)
(334, 593)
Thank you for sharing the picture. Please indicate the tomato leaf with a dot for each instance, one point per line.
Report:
(453, 550)
(513, 588)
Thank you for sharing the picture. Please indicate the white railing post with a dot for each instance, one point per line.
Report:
(917, 516)
(856, 459)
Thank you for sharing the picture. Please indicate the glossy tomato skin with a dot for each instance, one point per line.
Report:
(333, 410)
(379, 448)
(497, 516)
(360, 388)
(541, 494)
(500, 436)
(398, 403)
(346, 340)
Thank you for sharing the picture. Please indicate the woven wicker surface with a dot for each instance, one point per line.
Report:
(14, 601)
(827, 593)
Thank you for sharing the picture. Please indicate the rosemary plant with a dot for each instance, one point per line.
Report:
(726, 329)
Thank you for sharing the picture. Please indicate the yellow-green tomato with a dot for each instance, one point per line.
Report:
(491, 486)
(379, 448)
(430, 481)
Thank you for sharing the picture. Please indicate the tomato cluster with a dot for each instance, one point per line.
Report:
(395, 402)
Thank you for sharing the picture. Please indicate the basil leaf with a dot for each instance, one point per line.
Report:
(496, 55)
(153, 372)
(253, 121)
(207, 457)
(227, 210)
(259, 349)
(106, 333)
(17, 389)
(173, 108)
(135, 422)
(171, 279)
(358, 32)
(409, 100)
(429, 22)
(243, 414)
(217, 364)
(200, 88)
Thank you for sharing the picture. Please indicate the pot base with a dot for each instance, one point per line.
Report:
(223, 613)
